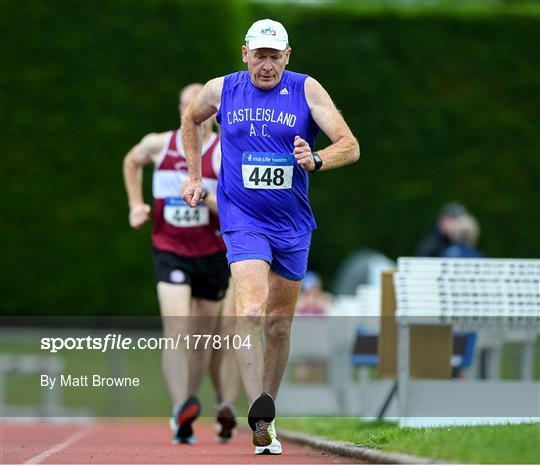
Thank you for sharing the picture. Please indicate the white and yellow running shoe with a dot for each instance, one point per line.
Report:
(274, 447)
(261, 417)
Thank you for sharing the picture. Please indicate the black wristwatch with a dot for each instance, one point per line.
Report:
(318, 161)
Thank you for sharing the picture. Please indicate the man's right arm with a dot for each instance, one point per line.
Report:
(344, 148)
(137, 158)
(203, 107)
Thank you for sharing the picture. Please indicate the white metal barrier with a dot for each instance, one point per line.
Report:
(500, 296)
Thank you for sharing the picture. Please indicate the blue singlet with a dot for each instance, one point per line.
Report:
(261, 188)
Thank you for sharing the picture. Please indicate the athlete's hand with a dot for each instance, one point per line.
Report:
(192, 192)
(302, 154)
(139, 214)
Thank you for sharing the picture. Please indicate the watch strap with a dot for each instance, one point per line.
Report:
(318, 161)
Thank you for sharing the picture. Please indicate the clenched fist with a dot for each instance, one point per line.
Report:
(303, 155)
(193, 192)
(138, 215)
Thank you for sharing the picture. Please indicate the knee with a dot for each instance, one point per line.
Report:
(172, 326)
(278, 330)
(228, 326)
(251, 315)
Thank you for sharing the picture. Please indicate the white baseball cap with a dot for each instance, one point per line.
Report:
(267, 34)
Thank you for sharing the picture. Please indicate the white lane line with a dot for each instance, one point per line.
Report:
(60, 446)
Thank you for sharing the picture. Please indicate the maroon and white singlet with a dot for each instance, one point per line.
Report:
(178, 228)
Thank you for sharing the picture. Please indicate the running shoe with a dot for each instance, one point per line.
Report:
(260, 418)
(275, 446)
(182, 418)
(226, 422)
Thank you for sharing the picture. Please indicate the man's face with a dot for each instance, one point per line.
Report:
(187, 96)
(446, 224)
(265, 65)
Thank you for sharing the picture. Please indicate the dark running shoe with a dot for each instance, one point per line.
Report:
(183, 417)
(226, 422)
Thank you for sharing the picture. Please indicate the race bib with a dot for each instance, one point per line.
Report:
(267, 170)
(177, 213)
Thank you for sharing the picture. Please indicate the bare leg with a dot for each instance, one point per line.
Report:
(279, 313)
(202, 322)
(229, 374)
(223, 367)
(174, 303)
(216, 358)
(250, 282)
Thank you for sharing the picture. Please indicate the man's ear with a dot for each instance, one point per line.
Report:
(288, 55)
(244, 54)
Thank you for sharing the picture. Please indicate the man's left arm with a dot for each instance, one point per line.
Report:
(344, 148)
(211, 198)
(208, 198)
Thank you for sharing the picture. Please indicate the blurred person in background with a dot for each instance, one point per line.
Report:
(464, 237)
(438, 239)
(269, 119)
(362, 267)
(313, 300)
(191, 269)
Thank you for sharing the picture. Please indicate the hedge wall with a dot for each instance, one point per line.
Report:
(82, 83)
(445, 107)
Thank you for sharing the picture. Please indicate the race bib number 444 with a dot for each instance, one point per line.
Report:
(177, 213)
(267, 170)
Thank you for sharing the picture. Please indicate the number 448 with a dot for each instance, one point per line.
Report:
(269, 176)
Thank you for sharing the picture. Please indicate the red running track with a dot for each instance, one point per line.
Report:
(137, 442)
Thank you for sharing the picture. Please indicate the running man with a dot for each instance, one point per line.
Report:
(269, 118)
(191, 269)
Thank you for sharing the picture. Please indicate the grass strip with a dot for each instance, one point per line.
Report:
(495, 444)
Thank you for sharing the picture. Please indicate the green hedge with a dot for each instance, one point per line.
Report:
(82, 83)
(445, 107)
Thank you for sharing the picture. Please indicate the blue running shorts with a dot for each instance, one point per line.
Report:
(287, 256)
